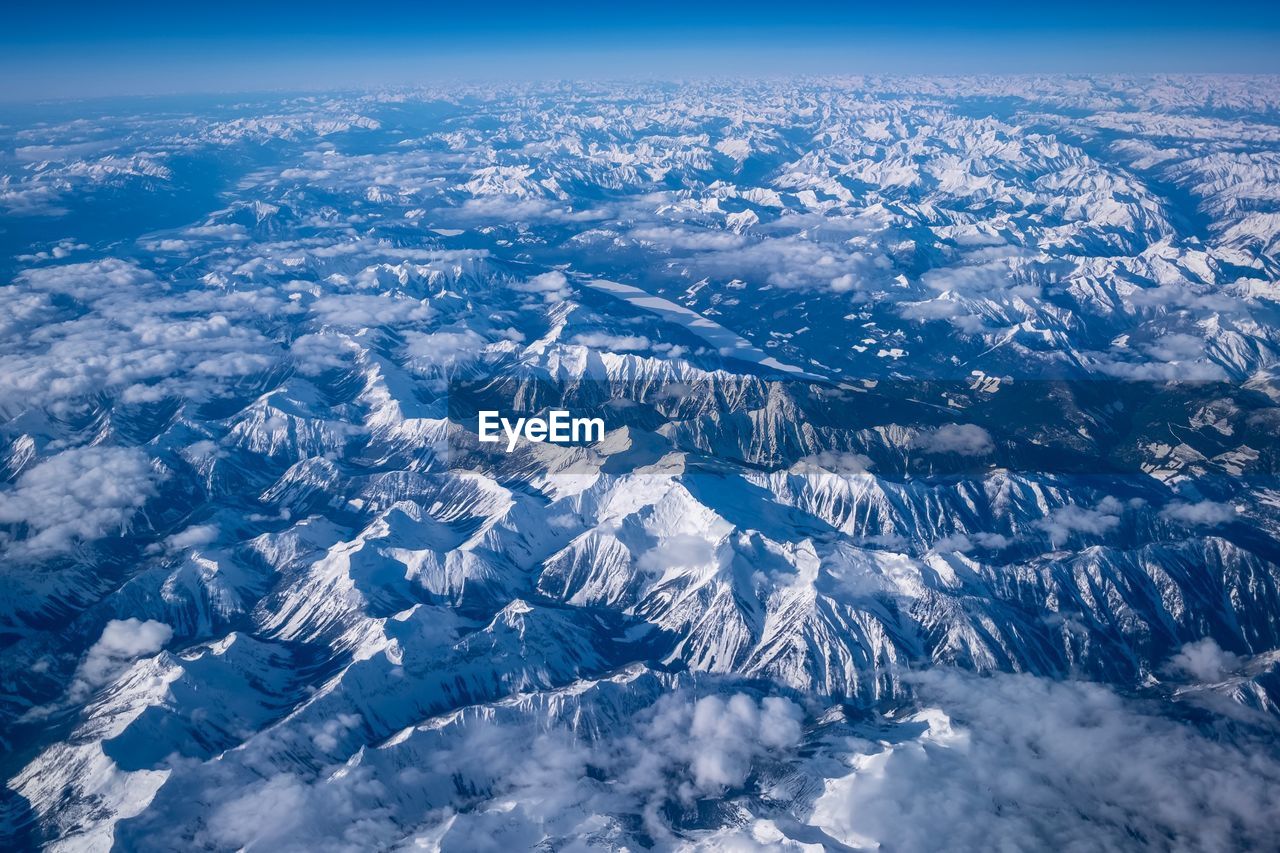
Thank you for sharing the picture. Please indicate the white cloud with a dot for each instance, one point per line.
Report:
(612, 343)
(325, 735)
(955, 542)
(795, 262)
(443, 349)
(843, 464)
(931, 309)
(1162, 371)
(1176, 347)
(122, 642)
(681, 551)
(551, 286)
(966, 543)
(964, 439)
(973, 279)
(316, 353)
(78, 495)
(233, 364)
(126, 333)
(193, 537)
(1204, 660)
(667, 238)
(21, 310)
(1204, 513)
(88, 281)
(1066, 520)
(357, 310)
(993, 541)
(273, 813)
(725, 736)
(1000, 762)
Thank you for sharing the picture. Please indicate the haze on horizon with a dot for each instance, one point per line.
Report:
(78, 49)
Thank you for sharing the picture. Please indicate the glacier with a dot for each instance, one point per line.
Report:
(936, 508)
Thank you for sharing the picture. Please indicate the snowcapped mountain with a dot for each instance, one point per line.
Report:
(937, 497)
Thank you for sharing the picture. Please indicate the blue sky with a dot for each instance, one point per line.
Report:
(79, 48)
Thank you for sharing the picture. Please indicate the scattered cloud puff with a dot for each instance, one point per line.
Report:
(193, 537)
(612, 343)
(946, 307)
(1200, 513)
(1064, 521)
(551, 286)
(356, 310)
(90, 281)
(315, 353)
(976, 280)
(325, 735)
(21, 310)
(56, 252)
(964, 543)
(1176, 347)
(720, 737)
(798, 263)
(1161, 371)
(964, 439)
(122, 642)
(443, 349)
(1170, 357)
(79, 495)
(680, 551)
(669, 239)
(1204, 660)
(842, 464)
